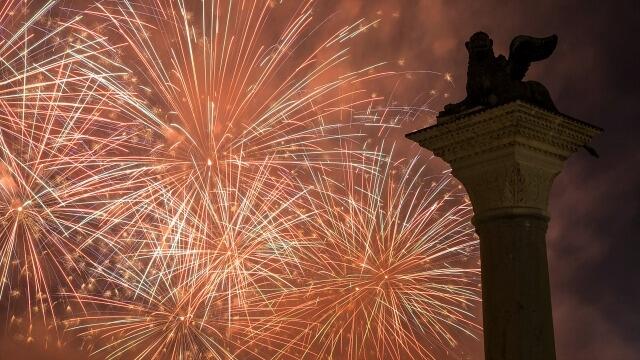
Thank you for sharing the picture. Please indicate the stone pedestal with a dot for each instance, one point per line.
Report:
(507, 158)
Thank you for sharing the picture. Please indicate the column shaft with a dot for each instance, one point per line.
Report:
(507, 157)
(515, 287)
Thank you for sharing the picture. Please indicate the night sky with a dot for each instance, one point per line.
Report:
(592, 76)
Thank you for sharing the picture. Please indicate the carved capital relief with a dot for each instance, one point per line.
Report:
(508, 156)
(507, 185)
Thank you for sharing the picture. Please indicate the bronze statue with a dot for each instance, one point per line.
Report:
(495, 80)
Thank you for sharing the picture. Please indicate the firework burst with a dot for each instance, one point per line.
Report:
(193, 192)
(214, 92)
(51, 113)
(181, 288)
(212, 99)
(390, 271)
(142, 315)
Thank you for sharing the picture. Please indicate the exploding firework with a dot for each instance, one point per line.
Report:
(182, 288)
(142, 314)
(214, 92)
(390, 272)
(51, 115)
(213, 98)
(148, 311)
(188, 194)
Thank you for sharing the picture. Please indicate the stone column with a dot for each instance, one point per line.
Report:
(507, 158)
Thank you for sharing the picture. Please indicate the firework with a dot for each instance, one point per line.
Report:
(222, 114)
(210, 95)
(182, 183)
(143, 313)
(51, 115)
(390, 272)
(212, 89)
(182, 288)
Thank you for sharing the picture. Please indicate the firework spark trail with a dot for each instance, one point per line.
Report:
(213, 97)
(164, 185)
(150, 316)
(213, 90)
(378, 265)
(210, 95)
(201, 273)
(391, 271)
(52, 113)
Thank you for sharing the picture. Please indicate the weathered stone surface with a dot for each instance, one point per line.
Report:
(507, 158)
(515, 288)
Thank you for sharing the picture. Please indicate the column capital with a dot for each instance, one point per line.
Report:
(506, 156)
